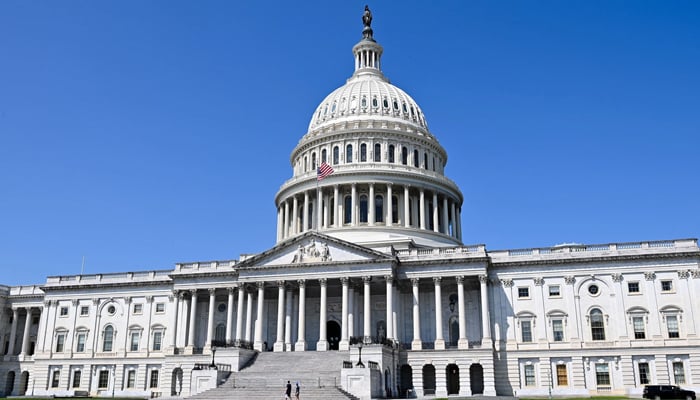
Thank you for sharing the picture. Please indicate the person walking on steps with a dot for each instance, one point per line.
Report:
(288, 392)
(296, 391)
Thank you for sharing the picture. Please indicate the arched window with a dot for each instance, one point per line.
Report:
(306, 164)
(331, 217)
(377, 152)
(221, 332)
(323, 156)
(390, 153)
(347, 210)
(433, 164)
(348, 154)
(107, 338)
(363, 208)
(416, 161)
(336, 155)
(597, 324)
(313, 161)
(363, 152)
(379, 208)
(404, 156)
(425, 160)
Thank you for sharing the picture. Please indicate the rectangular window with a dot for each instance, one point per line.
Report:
(558, 330)
(80, 346)
(672, 325)
(562, 376)
(103, 381)
(678, 373)
(554, 291)
(643, 373)
(160, 308)
(135, 336)
(529, 371)
(55, 377)
(157, 340)
(84, 311)
(138, 308)
(602, 374)
(60, 342)
(154, 379)
(526, 331)
(76, 378)
(638, 324)
(523, 292)
(666, 286)
(131, 378)
(63, 311)
(633, 287)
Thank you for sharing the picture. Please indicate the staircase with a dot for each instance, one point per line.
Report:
(318, 374)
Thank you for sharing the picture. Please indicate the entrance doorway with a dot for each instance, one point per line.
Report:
(332, 334)
(23, 383)
(406, 382)
(176, 384)
(10, 383)
(452, 379)
(476, 374)
(429, 379)
(454, 331)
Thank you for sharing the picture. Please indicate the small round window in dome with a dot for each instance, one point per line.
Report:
(111, 310)
(222, 307)
(593, 289)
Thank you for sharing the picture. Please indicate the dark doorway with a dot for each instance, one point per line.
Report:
(10, 383)
(406, 379)
(176, 384)
(332, 334)
(452, 379)
(428, 379)
(476, 375)
(23, 383)
(454, 331)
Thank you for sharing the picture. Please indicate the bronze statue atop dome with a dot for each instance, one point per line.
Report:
(367, 22)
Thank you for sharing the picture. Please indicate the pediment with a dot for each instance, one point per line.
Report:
(313, 248)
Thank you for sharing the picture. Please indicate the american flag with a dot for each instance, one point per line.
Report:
(323, 171)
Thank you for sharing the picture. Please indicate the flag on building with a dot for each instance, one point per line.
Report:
(323, 171)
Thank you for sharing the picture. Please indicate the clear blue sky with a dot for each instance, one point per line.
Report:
(143, 133)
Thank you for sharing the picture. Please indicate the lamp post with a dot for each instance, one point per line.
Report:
(359, 360)
(213, 353)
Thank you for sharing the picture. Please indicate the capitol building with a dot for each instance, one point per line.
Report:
(370, 287)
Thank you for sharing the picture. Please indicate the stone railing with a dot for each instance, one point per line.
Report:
(689, 244)
(205, 266)
(443, 252)
(120, 277)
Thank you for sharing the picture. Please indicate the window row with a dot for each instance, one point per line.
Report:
(633, 287)
(136, 309)
(104, 378)
(377, 105)
(108, 337)
(395, 155)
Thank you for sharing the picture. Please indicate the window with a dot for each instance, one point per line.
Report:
(363, 208)
(602, 374)
(154, 379)
(348, 154)
(111, 310)
(529, 371)
(416, 160)
(324, 156)
(160, 308)
(347, 210)
(526, 331)
(76, 378)
(157, 340)
(593, 289)
(638, 325)
(80, 342)
(562, 376)
(378, 208)
(336, 155)
(523, 292)
(404, 155)
(134, 342)
(558, 330)
(55, 378)
(60, 342)
(363, 152)
(103, 380)
(107, 338)
(138, 308)
(643, 373)
(377, 152)
(597, 324)
(395, 209)
(131, 378)
(425, 160)
(554, 291)
(633, 287)
(220, 333)
(678, 372)
(63, 311)
(84, 311)
(313, 161)
(390, 153)
(666, 286)
(221, 307)
(672, 326)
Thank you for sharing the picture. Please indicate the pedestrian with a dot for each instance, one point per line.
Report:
(288, 392)
(296, 391)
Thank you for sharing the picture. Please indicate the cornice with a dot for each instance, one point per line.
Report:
(594, 259)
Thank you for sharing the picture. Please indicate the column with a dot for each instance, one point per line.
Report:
(25, 333)
(459, 224)
(351, 311)
(229, 316)
(463, 343)
(421, 208)
(295, 215)
(353, 205)
(301, 333)
(389, 205)
(13, 332)
(371, 217)
(436, 218)
(322, 344)
(193, 315)
(445, 221)
(258, 345)
(367, 323)
(486, 320)
(406, 207)
(286, 219)
(344, 343)
(279, 342)
(336, 207)
(417, 343)
(439, 339)
(388, 321)
(280, 219)
(305, 217)
(175, 300)
(210, 320)
(326, 211)
(288, 320)
(319, 208)
(249, 317)
(239, 314)
(453, 217)
(183, 321)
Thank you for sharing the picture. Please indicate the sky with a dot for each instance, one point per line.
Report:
(138, 134)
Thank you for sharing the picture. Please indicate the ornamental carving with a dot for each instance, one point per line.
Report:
(695, 273)
(437, 280)
(483, 279)
(507, 282)
(684, 274)
(617, 277)
(539, 281)
(650, 276)
(313, 252)
(570, 280)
